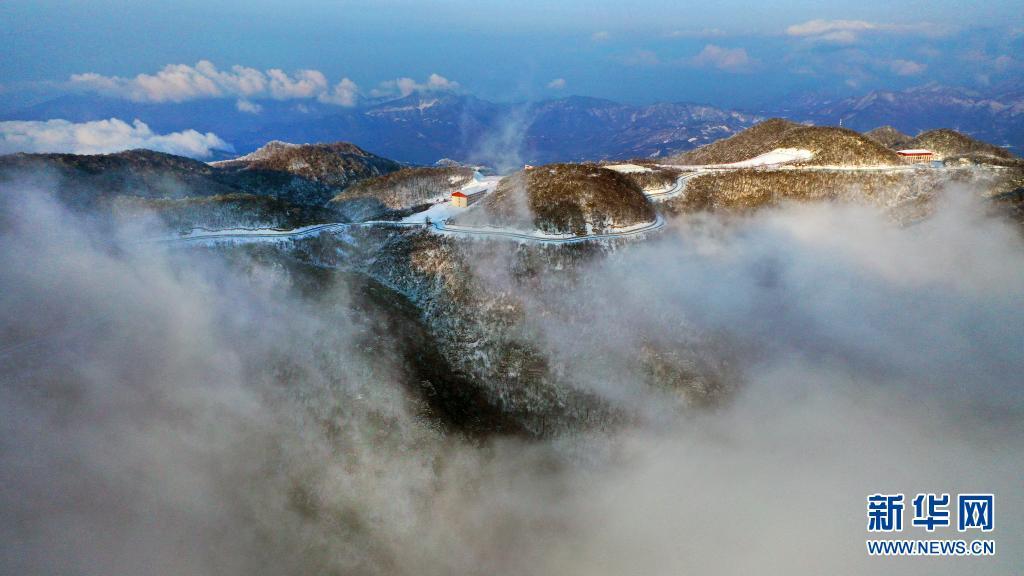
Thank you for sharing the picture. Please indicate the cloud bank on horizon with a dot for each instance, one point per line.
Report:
(103, 137)
(182, 82)
(728, 55)
(850, 31)
(796, 52)
(729, 59)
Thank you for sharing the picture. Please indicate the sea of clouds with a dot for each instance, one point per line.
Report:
(177, 410)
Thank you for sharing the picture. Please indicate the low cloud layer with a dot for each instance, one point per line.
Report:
(850, 31)
(248, 106)
(727, 59)
(103, 136)
(405, 86)
(344, 93)
(869, 357)
(710, 56)
(557, 84)
(907, 67)
(182, 82)
(168, 410)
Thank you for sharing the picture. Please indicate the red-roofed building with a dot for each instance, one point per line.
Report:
(462, 200)
(916, 155)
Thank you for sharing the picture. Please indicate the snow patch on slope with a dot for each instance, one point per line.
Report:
(627, 168)
(777, 156)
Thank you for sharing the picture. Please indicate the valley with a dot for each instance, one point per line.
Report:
(485, 260)
(481, 277)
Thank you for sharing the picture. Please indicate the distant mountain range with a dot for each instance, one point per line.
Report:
(997, 117)
(423, 128)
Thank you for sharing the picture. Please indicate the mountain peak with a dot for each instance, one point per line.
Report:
(888, 136)
(334, 164)
(263, 152)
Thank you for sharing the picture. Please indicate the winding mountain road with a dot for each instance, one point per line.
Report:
(659, 222)
(265, 234)
(675, 190)
(257, 233)
(442, 227)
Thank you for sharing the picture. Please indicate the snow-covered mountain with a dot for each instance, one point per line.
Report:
(423, 128)
(996, 117)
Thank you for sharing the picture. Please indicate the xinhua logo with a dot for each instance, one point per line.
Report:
(974, 512)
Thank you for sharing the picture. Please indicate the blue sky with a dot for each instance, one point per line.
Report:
(727, 53)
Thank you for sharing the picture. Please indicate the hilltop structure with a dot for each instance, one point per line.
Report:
(916, 155)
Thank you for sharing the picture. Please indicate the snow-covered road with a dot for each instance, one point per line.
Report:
(236, 236)
(672, 191)
(547, 239)
(253, 234)
(438, 214)
(707, 168)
